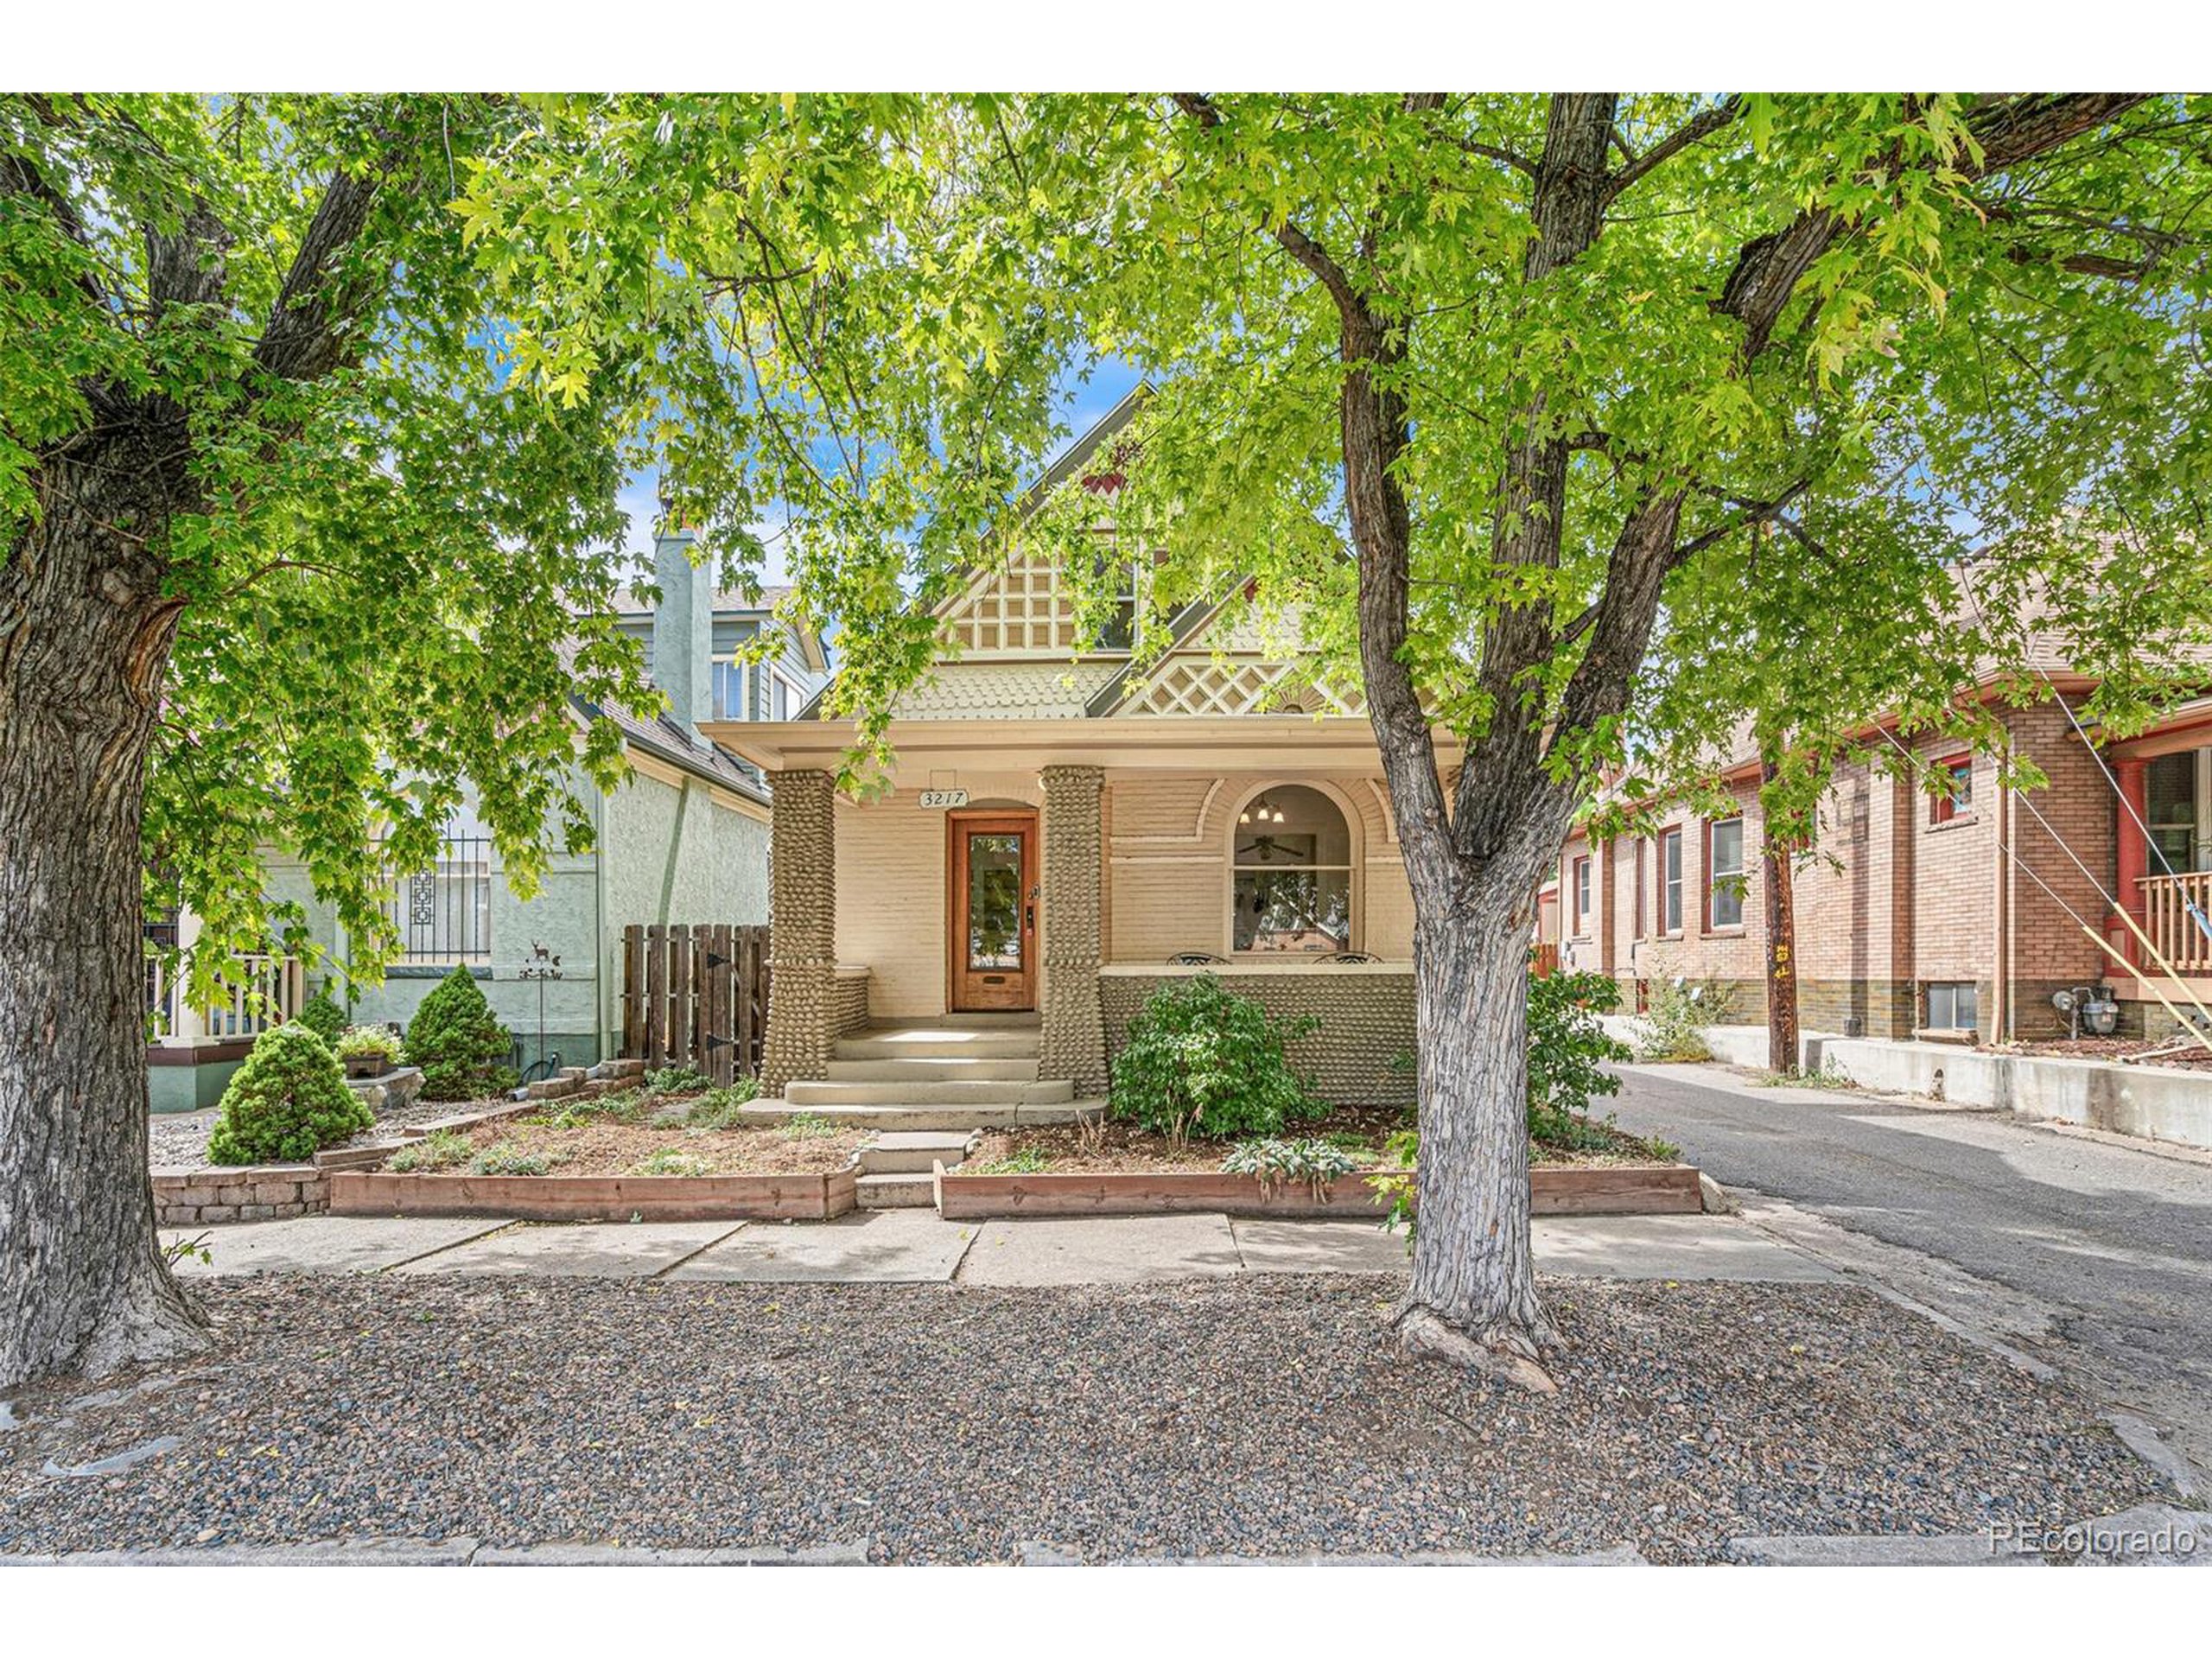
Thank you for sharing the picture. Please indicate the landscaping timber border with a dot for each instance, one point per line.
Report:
(597, 1198)
(1554, 1190)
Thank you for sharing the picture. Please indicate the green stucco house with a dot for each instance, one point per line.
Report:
(685, 839)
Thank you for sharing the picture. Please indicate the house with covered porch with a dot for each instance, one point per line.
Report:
(1064, 831)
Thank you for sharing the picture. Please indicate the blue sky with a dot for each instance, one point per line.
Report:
(1090, 401)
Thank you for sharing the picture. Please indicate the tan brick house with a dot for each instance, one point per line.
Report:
(1928, 914)
(1064, 832)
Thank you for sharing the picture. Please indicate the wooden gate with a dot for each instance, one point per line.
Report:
(696, 996)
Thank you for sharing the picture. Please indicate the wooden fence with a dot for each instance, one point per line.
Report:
(696, 996)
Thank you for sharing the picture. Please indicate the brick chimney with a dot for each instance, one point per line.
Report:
(684, 630)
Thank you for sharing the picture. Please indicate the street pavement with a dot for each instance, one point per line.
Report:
(2089, 1253)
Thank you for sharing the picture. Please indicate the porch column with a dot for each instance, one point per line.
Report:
(803, 930)
(2132, 855)
(1074, 1039)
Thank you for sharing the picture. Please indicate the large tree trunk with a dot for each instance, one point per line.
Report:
(1473, 1293)
(84, 642)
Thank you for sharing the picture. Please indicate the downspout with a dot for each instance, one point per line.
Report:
(2001, 1012)
(602, 958)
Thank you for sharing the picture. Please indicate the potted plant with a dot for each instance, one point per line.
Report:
(368, 1050)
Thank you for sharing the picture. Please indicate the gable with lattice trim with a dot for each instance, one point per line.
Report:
(1195, 684)
(1020, 607)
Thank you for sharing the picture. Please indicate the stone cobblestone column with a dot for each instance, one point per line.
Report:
(1074, 1038)
(803, 938)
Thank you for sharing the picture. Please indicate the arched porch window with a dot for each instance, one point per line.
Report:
(1290, 879)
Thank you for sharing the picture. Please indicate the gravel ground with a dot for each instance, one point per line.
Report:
(178, 1140)
(1261, 1416)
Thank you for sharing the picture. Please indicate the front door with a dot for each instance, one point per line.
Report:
(994, 910)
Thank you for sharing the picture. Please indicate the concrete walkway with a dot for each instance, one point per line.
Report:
(916, 1246)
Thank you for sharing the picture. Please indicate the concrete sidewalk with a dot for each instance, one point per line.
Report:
(917, 1247)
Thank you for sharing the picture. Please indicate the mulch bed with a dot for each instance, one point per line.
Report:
(1264, 1416)
(603, 1147)
(1120, 1147)
(2193, 1058)
(178, 1140)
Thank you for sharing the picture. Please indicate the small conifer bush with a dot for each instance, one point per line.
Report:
(288, 1101)
(459, 1042)
(321, 1016)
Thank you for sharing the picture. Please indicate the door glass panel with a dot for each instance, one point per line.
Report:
(994, 901)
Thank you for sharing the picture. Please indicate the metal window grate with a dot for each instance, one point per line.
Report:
(444, 913)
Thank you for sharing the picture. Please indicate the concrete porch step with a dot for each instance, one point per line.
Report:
(907, 1069)
(925, 1118)
(910, 1152)
(938, 1043)
(906, 1190)
(1052, 1092)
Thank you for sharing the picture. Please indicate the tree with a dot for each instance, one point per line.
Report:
(1475, 384)
(303, 538)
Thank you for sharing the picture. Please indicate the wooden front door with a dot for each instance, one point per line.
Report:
(994, 910)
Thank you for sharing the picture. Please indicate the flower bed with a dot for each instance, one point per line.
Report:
(1616, 1189)
(814, 1196)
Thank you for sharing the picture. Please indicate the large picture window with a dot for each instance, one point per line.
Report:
(1290, 886)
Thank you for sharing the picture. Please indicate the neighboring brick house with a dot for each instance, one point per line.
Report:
(1918, 913)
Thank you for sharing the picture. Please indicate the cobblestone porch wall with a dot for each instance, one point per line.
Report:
(849, 1012)
(1072, 1045)
(1362, 1055)
(195, 1197)
(803, 992)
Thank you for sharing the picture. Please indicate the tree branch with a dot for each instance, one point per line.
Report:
(1703, 124)
(306, 335)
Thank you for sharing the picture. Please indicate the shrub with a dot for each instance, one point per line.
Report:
(439, 1149)
(368, 1040)
(721, 1108)
(677, 1080)
(286, 1103)
(1314, 1164)
(669, 1161)
(1566, 1051)
(459, 1043)
(1204, 1061)
(509, 1158)
(1675, 1023)
(320, 1014)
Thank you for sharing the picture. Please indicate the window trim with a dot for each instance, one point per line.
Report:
(1670, 890)
(1355, 911)
(1946, 807)
(1713, 874)
(1581, 884)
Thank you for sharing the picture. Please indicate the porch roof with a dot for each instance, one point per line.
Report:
(1211, 743)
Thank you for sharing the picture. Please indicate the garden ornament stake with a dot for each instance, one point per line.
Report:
(542, 966)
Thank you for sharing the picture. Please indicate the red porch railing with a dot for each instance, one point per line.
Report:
(2165, 918)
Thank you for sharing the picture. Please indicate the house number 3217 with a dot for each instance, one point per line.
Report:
(941, 798)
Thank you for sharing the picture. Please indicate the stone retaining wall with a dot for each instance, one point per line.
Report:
(195, 1198)
(1364, 1053)
(848, 1010)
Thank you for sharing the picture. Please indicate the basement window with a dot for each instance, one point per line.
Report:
(1952, 1006)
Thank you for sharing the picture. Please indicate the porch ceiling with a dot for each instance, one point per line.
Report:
(1154, 742)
